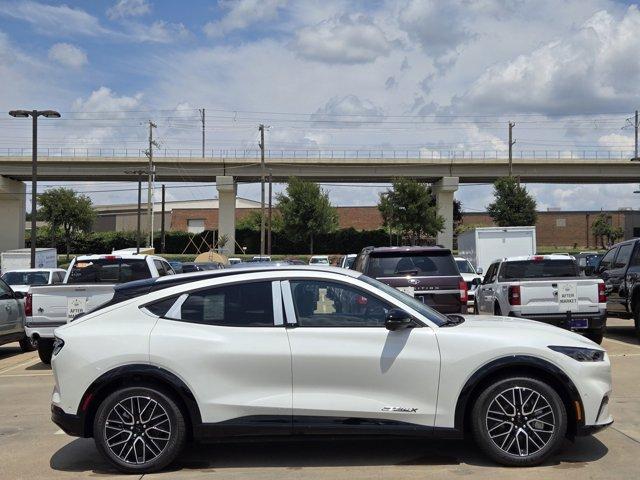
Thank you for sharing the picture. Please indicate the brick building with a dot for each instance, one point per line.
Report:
(568, 229)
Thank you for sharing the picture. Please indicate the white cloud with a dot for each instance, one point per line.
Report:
(348, 111)
(105, 100)
(54, 19)
(595, 68)
(616, 141)
(347, 39)
(128, 8)
(68, 55)
(242, 13)
(159, 32)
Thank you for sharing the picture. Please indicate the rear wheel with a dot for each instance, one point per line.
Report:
(139, 429)
(45, 350)
(636, 320)
(28, 344)
(496, 310)
(595, 335)
(519, 421)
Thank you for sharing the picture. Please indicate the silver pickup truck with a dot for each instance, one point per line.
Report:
(546, 288)
(89, 282)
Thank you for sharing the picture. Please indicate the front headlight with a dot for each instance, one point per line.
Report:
(57, 346)
(580, 354)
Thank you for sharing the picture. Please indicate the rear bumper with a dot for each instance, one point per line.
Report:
(69, 423)
(595, 320)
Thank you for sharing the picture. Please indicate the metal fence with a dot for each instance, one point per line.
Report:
(323, 154)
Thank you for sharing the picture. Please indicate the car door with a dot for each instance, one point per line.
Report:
(11, 320)
(349, 371)
(485, 294)
(605, 271)
(228, 342)
(618, 293)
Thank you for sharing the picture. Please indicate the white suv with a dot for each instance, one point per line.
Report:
(315, 351)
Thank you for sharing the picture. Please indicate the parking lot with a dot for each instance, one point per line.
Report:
(31, 446)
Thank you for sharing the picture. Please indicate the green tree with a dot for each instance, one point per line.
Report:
(67, 213)
(306, 211)
(251, 221)
(409, 209)
(602, 229)
(513, 205)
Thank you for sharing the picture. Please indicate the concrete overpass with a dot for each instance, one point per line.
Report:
(443, 171)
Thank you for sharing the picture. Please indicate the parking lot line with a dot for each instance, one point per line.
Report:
(27, 375)
(28, 363)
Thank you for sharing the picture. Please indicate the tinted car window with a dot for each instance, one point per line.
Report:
(5, 291)
(538, 269)
(490, 276)
(107, 270)
(320, 303)
(162, 307)
(26, 278)
(624, 253)
(464, 266)
(607, 261)
(420, 264)
(243, 305)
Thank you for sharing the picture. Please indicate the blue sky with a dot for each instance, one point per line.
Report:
(568, 74)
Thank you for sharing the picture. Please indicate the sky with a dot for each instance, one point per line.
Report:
(419, 75)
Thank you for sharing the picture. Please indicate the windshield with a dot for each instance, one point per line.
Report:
(26, 278)
(538, 269)
(349, 261)
(419, 264)
(324, 261)
(436, 317)
(109, 270)
(465, 267)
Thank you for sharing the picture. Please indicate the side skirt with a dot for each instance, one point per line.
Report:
(260, 426)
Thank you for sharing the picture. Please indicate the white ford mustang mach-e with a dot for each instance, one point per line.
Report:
(315, 351)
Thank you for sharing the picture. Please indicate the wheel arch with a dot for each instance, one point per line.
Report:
(137, 375)
(520, 365)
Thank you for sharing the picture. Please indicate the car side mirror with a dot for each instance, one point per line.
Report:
(397, 319)
(480, 271)
(18, 295)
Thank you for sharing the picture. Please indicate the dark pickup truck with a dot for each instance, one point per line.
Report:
(620, 270)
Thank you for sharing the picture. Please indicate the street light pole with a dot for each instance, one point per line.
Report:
(34, 114)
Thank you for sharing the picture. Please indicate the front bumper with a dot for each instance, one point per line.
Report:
(586, 430)
(71, 424)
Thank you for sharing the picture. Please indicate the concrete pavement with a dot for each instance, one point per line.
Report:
(32, 447)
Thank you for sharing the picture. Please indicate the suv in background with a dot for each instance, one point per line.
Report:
(429, 274)
(619, 268)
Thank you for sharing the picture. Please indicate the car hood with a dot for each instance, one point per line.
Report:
(530, 330)
(21, 288)
(468, 277)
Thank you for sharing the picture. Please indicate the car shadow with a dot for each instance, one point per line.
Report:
(624, 333)
(39, 366)
(81, 455)
(9, 350)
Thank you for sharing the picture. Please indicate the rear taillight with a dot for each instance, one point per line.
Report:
(514, 294)
(602, 295)
(464, 293)
(28, 305)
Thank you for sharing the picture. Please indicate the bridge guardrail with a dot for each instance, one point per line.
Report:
(322, 154)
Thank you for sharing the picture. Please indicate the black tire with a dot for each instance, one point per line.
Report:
(28, 345)
(45, 350)
(636, 320)
(595, 336)
(541, 436)
(497, 311)
(162, 447)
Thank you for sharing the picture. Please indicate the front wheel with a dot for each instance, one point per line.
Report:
(519, 421)
(45, 350)
(28, 344)
(139, 429)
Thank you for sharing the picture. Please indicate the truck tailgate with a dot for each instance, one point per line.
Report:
(559, 296)
(58, 304)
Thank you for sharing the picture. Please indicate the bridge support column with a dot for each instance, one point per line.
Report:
(444, 190)
(227, 212)
(12, 214)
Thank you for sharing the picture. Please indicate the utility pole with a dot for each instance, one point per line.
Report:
(162, 232)
(202, 120)
(139, 173)
(262, 178)
(635, 127)
(152, 143)
(511, 144)
(269, 217)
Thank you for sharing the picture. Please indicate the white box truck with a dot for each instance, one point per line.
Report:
(481, 246)
(21, 258)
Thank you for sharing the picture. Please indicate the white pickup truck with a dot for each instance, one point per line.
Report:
(547, 288)
(89, 282)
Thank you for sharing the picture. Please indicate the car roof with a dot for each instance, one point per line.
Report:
(26, 270)
(407, 249)
(171, 280)
(551, 256)
(123, 256)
